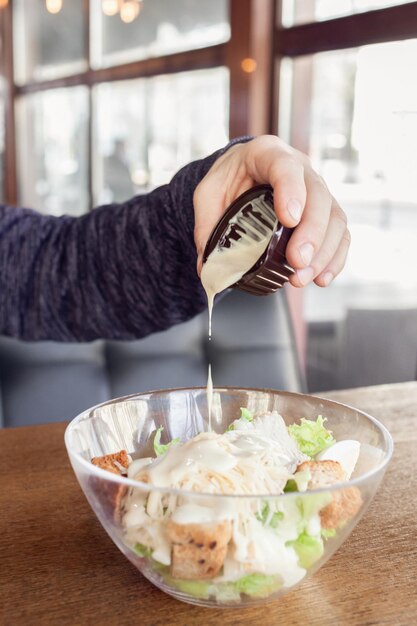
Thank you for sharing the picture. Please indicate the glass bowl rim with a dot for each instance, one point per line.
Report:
(124, 481)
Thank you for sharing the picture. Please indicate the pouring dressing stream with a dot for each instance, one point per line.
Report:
(249, 237)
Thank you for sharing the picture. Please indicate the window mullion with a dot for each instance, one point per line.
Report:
(378, 26)
(90, 123)
(10, 190)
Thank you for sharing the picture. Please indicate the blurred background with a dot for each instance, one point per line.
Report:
(104, 99)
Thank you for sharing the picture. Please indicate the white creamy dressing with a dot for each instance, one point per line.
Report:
(255, 458)
(225, 266)
(209, 393)
(267, 553)
(201, 454)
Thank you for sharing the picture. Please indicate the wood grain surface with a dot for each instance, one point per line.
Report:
(58, 566)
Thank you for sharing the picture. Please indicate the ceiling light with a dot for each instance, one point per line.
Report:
(54, 6)
(110, 7)
(129, 11)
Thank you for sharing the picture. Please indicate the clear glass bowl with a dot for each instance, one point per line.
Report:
(126, 423)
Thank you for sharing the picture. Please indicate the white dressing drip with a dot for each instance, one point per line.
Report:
(209, 395)
(225, 266)
(239, 461)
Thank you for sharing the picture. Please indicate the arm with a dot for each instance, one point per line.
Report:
(120, 272)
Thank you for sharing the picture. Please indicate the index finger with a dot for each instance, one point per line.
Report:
(270, 162)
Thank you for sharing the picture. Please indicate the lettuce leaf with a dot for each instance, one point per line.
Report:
(253, 585)
(203, 589)
(311, 437)
(196, 588)
(298, 482)
(328, 533)
(245, 414)
(309, 549)
(258, 585)
(269, 519)
(159, 447)
(142, 550)
(311, 503)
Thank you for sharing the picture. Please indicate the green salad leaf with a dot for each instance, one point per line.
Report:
(142, 550)
(258, 585)
(298, 482)
(269, 519)
(161, 448)
(311, 436)
(309, 549)
(223, 592)
(253, 585)
(245, 414)
(291, 486)
(196, 588)
(328, 533)
(311, 503)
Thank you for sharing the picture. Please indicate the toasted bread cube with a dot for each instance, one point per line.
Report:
(198, 550)
(112, 462)
(205, 534)
(192, 563)
(323, 473)
(345, 503)
(112, 494)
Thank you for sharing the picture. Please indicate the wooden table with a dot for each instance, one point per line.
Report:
(58, 566)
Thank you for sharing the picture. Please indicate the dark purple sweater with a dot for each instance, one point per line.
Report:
(121, 272)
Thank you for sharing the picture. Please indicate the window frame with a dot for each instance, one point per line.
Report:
(369, 27)
(6, 71)
(256, 32)
(228, 54)
(396, 23)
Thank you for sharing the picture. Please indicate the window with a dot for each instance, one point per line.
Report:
(361, 137)
(107, 96)
(53, 147)
(304, 11)
(156, 28)
(48, 42)
(354, 111)
(146, 129)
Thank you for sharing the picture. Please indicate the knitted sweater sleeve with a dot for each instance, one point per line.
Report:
(120, 272)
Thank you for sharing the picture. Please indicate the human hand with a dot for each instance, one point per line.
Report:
(319, 244)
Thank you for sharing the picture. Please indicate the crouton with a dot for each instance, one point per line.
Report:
(110, 495)
(345, 503)
(112, 462)
(198, 550)
(323, 473)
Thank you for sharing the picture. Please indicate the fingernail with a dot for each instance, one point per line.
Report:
(327, 278)
(305, 275)
(306, 253)
(295, 209)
